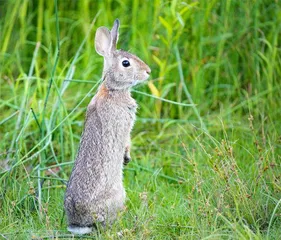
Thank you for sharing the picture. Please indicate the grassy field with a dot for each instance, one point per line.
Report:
(209, 170)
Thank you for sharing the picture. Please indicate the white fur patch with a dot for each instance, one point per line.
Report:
(79, 230)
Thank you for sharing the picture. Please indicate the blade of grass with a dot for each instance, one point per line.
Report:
(163, 99)
(24, 100)
(8, 118)
(203, 126)
(54, 67)
(271, 219)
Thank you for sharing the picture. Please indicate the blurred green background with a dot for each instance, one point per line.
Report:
(207, 171)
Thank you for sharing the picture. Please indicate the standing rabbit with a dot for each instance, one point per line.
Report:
(95, 191)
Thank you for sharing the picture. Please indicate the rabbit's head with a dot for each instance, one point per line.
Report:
(122, 70)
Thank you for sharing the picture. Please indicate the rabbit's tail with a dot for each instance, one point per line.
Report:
(79, 230)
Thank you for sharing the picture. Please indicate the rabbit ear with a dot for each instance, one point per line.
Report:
(103, 41)
(114, 34)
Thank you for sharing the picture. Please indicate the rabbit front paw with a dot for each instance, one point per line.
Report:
(127, 157)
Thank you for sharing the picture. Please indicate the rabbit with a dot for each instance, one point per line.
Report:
(95, 192)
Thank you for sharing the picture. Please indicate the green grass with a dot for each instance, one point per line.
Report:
(207, 141)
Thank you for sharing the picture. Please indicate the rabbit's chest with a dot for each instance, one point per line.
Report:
(127, 114)
(124, 117)
(117, 116)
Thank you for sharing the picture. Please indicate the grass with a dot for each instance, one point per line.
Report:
(206, 143)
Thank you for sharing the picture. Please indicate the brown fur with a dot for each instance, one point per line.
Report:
(103, 92)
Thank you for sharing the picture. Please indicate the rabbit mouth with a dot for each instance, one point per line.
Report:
(134, 83)
(141, 77)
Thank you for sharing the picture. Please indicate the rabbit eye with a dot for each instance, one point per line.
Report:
(126, 63)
